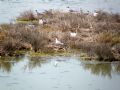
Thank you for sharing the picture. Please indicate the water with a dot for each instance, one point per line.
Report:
(9, 9)
(58, 73)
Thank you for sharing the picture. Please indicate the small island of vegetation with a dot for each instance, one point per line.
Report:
(92, 35)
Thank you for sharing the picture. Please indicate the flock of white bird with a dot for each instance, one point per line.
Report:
(43, 21)
(58, 42)
(72, 34)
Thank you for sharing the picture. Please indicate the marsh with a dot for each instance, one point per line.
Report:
(32, 59)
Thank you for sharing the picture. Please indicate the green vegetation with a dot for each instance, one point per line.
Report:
(26, 16)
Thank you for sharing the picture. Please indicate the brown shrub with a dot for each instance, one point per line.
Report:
(26, 16)
(4, 27)
(103, 52)
(87, 47)
(105, 37)
(22, 38)
(116, 51)
(38, 40)
(108, 37)
(10, 45)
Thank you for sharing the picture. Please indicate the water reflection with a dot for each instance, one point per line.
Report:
(117, 68)
(102, 69)
(6, 64)
(69, 74)
(35, 62)
(96, 68)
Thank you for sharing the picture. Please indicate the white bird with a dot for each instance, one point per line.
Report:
(31, 25)
(58, 42)
(95, 14)
(40, 21)
(73, 34)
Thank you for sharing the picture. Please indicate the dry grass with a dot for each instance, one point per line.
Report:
(35, 38)
(103, 51)
(108, 37)
(95, 35)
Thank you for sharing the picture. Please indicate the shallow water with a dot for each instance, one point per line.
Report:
(9, 9)
(58, 73)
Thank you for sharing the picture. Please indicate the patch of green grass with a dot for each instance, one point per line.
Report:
(26, 16)
(85, 56)
(24, 21)
(6, 58)
(116, 39)
(41, 54)
(20, 51)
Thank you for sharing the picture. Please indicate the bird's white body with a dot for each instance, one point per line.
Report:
(58, 42)
(73, 34)
(95, 14)
(41, 21)
(31, 26)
